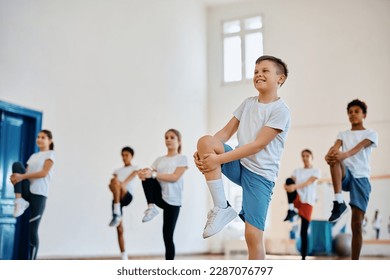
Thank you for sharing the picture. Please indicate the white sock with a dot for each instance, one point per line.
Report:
(338, 197)
(217, 193)
(117, 209)
(291, 206)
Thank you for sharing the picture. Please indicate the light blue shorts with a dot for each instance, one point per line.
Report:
(359, 190)
(256, 191)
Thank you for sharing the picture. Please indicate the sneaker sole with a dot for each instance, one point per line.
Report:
(231, 217)
(149, 219)
(339, 218)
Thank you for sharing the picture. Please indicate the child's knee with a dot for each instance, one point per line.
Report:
(205, 140)
(17, 167)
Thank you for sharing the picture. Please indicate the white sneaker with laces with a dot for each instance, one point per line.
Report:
(150, 213)
(20, 206)
(217, 219)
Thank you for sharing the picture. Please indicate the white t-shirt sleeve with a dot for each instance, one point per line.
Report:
(279, 118)
(373, 137)
(182, 162)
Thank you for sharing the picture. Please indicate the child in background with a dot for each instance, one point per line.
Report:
(163, 186)
(301, 193)
(121, 186)
(350, 170)
(32, 186)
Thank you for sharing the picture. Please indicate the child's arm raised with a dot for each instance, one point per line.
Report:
(130, 177)
(291, 188)
(16, 177)
(264, 137)
(228, 130)
(340, 156)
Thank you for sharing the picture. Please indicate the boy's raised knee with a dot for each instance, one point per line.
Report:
(205, 139)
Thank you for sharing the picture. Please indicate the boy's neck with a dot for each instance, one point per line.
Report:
(127, 164)
(358, 127)
(267, 97)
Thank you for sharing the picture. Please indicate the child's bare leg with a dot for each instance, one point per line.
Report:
(255, 243)
(115, 187)
(357, 232)
(121, 240)
(337, 171)
(210, 145)
(222, 213)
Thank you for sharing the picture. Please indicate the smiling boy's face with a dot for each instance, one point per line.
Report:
(267, 76)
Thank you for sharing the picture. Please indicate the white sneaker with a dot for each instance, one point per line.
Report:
(150, 213)
(116, 220)
(124, 256)
(217, 219)
(20, 206)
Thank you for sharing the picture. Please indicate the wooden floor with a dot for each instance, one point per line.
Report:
(222, 257)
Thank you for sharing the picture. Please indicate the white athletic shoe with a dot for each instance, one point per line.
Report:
(20, 206)
(124, 256)
(217, 219)
(150, 213)
(116, 220)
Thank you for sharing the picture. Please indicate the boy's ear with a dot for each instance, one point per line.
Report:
(282, 79)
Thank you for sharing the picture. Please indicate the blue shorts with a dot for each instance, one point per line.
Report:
(359, 190)
(256, 191)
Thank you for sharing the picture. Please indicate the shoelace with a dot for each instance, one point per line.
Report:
(211, 216)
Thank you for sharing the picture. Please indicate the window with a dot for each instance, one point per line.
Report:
(242, 45)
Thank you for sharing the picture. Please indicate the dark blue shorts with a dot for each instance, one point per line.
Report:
(256, 191)
(359, 190)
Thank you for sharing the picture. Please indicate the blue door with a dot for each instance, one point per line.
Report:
(18, 129)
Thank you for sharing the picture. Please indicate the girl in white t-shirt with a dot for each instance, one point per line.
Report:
(32, 185)
(163, 186)
(301, 194)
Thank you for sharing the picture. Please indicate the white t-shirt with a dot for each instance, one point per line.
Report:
(377, 222)
(124, 172)
(171, 191)
(358, 164)
(308, 193)
(35, 163)
(254, 115)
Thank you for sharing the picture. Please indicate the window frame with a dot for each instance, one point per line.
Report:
(241, 34)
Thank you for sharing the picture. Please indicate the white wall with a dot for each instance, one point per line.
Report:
(95, 68)
(107, 74)
(336, 51)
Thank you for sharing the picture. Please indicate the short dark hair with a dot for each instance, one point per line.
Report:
(307, 151)
(359, 103)
(128, 149)
(282, 66)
